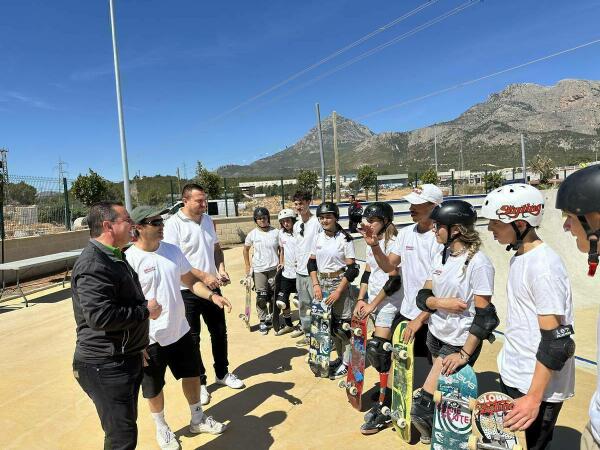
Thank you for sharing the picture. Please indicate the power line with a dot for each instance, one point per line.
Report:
(476, 80)
(327, 58)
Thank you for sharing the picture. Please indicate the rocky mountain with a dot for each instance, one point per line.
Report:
(560, 121)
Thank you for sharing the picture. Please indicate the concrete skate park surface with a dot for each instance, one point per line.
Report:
(283, 405)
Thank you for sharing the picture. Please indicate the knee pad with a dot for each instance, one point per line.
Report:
(262, 298)
(379, 358)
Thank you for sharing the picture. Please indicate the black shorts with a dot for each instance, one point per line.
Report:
(440, 348)
(182, 357)
(420, 342)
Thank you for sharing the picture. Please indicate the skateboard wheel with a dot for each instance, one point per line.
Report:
(345, 326)
(388, 347)
(342, 384)
(437, 397)
(401, 422)
(403, 354)
(473, 441)
(296, 302)
(472, 404)
(386, 411)
(357, 332)
(353, 390)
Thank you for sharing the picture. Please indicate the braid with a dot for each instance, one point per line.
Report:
(470, 237)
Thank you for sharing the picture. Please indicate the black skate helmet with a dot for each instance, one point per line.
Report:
(328, 208)
(579, 194)
(261, 212)
(381, 210)
(453, 212)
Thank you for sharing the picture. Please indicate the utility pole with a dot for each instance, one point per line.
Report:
(435, 147)
(336, 158)
(321, 152)
(126, 190)
(523, 159)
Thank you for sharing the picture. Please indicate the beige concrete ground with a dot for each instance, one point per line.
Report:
(283, 406)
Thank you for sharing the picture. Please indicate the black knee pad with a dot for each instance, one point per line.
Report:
(262, 299)
(284, 297)
(379, 358)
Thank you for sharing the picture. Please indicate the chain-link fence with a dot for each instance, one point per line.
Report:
(35, 205)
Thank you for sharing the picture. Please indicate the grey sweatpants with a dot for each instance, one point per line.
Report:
(305, 297)
(264, 285)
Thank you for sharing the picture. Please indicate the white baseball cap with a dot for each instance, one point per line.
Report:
(426, 193)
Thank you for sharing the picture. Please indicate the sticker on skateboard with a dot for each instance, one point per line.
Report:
(356, 371)
(247, 282)
(320, 337)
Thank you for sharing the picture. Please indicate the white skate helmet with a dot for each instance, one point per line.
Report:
(286, 213)
(513, 202)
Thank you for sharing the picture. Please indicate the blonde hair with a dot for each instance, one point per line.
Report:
(470, 237)
(390, 232)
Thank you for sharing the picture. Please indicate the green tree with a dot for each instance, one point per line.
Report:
(307, 180)
(367, 178)
(354, 186)
(544, 166)
(21, 192)
(210, 181)
(493, 180)
(429, 176)
(90, 189)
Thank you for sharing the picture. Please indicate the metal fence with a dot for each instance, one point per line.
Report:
(33, 206)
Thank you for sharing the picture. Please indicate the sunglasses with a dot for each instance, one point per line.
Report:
(154, 223)
(302, 229)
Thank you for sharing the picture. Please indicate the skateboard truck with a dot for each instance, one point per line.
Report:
(438, 396)
(400, 354)
(400, 421)
(475, 444)
(350, 386)
(355, 331)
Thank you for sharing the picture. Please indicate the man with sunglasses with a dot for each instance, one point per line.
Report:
(193, 231)
(111, 314)
(161, 267)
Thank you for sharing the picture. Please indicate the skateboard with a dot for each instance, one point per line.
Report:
(276, 319)
(247, 281)
(320, 337)
(356, 372)
(455, 399)
(402, 382)
(488, 424)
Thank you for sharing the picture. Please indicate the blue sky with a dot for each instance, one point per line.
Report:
(185, 62)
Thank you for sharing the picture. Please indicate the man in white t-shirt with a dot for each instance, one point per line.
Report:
(536, 362)
(579, 198)
(193, 231)
(161, 267)
(305, 232)
(413, 250)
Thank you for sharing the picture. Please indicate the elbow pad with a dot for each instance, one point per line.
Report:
(485, 322)
(311, 266)
(556, 347)
(422, 297)
(392, 285)
(351, 272)
(365, 277)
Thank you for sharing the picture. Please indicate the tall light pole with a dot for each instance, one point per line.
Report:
(126, 191)
(435, 147)
(336, 157)
(321, 152)
(523, 159)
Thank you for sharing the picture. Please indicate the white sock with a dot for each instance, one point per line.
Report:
(197, 413)
(159, 420)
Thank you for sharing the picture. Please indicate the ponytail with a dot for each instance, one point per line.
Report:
(347, 235)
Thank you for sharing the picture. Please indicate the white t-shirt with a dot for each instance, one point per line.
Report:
(266, 244)
(160, 274)
(288, 243)
(304, 243)
(417, 252)
(538, 284)
(195, 239)
(331, 252)
(448, 280)
(595, 403)
(379, 277)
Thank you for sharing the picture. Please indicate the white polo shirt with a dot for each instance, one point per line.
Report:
(304, 242)
(160, 274)
(195, 239)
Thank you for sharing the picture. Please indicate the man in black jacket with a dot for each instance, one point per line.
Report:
(111, 315)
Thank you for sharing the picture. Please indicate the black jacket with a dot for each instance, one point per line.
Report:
(109, 306)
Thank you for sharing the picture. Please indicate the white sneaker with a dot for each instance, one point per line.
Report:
(231, 380)
(208, 425)
(166, 439)
(204, 395)
(280, 304)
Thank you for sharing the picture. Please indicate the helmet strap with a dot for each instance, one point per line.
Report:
(593, 237)
(448, 243)
(520, 236)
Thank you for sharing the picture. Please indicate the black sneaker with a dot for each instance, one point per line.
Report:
(375, 409)
(377, 423)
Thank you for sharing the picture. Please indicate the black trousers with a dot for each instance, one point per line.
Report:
(114, 389)
(214, 318)
(539, 434)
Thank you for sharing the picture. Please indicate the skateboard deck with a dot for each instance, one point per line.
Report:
(320, 337)
(356, 372)
(488, 431)
(276, 310)
(247, 282)
(455, 399)
(402, 383)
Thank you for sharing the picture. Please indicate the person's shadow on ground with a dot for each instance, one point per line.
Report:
(245, 430)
